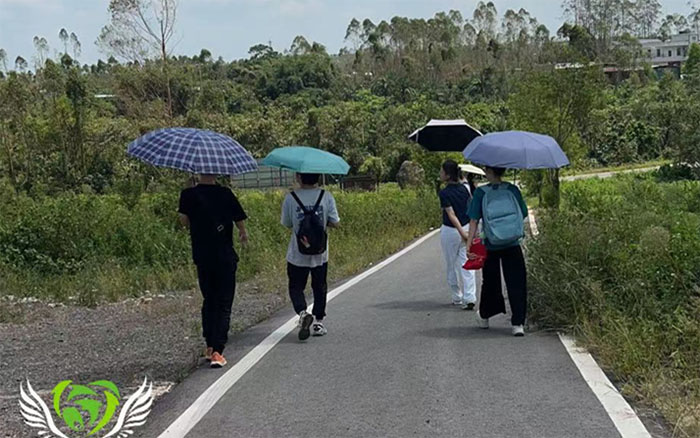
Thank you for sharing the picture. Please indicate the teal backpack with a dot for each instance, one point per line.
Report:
(503, 218)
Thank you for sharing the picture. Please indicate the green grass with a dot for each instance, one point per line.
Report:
(619, 266)
(104, 248)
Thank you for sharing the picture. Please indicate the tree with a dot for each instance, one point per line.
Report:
(204, 56)
(648, 15)
(262, 51)
(606, 20)
(580, 40)
(3, 60)
(671, 25)
(375, 167)
(353, 34)
(558, 103)
(42, 48)
(138, 29)
(20, 64)
(75, 45)
(692, 65)
(64, 37)
(300, 46)
(484, 20)
(694, 19)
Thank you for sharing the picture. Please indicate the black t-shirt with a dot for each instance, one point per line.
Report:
(208, 207)
(456, 196)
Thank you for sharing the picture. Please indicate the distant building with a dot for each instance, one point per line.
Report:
(671, 53)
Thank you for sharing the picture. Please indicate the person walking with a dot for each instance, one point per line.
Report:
(454, 201)
(501, 208)
(308, 212)
(209, 210)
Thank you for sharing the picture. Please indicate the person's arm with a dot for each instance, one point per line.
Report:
(455, 221)
(333, 217)
(474, 214)
(286, 215)
(242, 232)
(184, 220)
(473, 229)
(239, 216)
(183, 209)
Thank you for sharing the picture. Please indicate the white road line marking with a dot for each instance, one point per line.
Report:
(617, 408)
(619, 411)
(206, 401)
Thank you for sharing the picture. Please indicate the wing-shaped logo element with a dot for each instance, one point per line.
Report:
(134, 412)
(36, 414)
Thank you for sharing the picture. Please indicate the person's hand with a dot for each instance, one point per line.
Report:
(472, 256)
(243, 236)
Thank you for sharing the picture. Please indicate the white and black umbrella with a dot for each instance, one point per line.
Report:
(445, 135)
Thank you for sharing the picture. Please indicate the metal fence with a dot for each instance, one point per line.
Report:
(264, 178)
(271, 178)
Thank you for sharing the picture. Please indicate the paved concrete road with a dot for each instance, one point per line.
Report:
(399, 361)
(604, 175)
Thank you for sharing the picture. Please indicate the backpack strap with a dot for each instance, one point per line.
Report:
(318, 201)
(298, 201)
(303, 207)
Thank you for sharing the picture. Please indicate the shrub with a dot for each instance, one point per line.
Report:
(619, 265)
(98, 247)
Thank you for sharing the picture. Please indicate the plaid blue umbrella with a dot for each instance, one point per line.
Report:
(193, 150)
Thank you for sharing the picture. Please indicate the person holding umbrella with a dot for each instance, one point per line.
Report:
(209, 211)
(308, 211)
(501, 208)
(469, 174)
(454, 201)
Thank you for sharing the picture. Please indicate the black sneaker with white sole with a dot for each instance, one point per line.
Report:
(305, 321)
(318, 329)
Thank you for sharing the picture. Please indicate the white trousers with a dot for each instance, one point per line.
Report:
(462, 282)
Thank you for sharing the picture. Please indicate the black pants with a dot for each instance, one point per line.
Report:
(218, 284)
(298, 276)
(492, 302)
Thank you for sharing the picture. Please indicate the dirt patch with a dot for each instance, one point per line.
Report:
(155, 336)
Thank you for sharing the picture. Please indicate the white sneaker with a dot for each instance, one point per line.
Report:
(317, 329)
(518, 330)
(456, 303)
(483, 323)
(305, 320)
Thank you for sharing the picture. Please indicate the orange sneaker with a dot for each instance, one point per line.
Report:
(217, 360)
(207, 353)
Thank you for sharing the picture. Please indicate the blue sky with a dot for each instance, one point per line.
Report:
(229, 27)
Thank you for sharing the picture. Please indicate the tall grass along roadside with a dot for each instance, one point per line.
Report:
(102, 248)
(619, 265)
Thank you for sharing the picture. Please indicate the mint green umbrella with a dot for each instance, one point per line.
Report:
(303, 159)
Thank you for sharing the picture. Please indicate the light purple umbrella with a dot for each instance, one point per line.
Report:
(516, 150)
